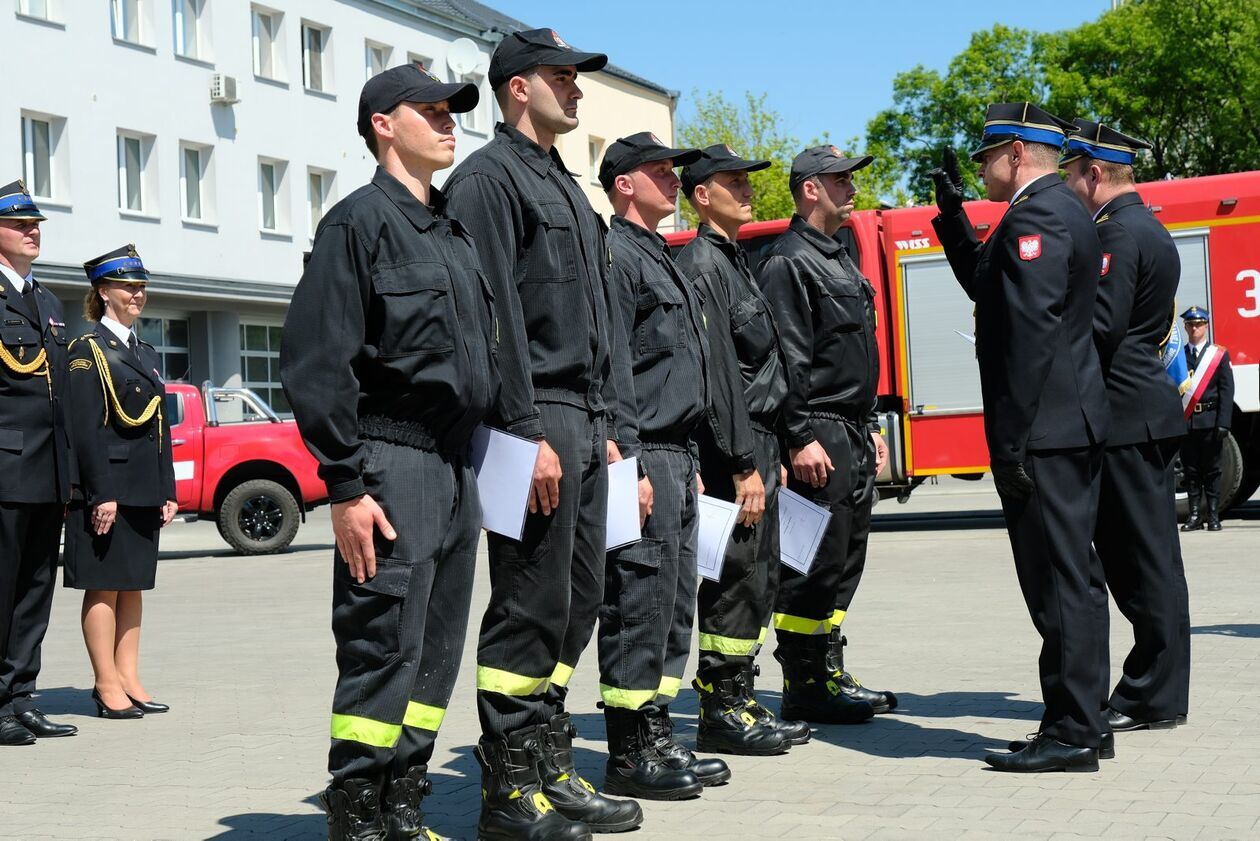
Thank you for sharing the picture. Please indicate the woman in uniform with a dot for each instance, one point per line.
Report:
(122, 442)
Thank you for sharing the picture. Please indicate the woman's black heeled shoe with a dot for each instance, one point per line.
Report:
(149, 707)
(103, 711)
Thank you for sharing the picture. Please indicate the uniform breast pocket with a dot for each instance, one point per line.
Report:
(414, 310)
(752, 330)
(552, 257)
(22, 341)
(841, 304)
(659, 317)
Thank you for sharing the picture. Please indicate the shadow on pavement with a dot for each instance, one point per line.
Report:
(937, 521)
(274, 825)
(67, 700)
(1248, 631)
(228, 552)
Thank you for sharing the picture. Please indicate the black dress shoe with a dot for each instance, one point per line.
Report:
(38, 723)
(12, 732)
(1120, 723)
(1045, 753)
(103, 711)
(148, 707)
(1106, 750)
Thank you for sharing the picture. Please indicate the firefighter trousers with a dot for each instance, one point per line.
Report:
(1201, 460)
(814, 604)
(650, 590)
(29, 533)
(733, 613)
(1139, 549)
(545, 589)
(400, 634)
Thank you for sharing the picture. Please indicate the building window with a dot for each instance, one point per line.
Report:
(416, 58)
(137, 182)
(260, 364)
(43, 165)
(377, 58)
(478, 119)
(595, 146)
(273, 211)
(191, 29)
(128, 20)
(319, 184)
(196, 184)
(40, 9)
(268, 43)
(316, 57)
(169, 337)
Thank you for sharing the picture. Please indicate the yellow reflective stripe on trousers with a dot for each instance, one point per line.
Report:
(837, 619)
(761, 637)
(801, 624)
(353, 728)
(423, 716)
(726, 645)
(625, 699)
(669, 687)
(507, 683)
(560, 677)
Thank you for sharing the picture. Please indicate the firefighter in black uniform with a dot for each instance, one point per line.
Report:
(1210, 407)
(1035, 285)
(542, 247)
(1136, 532)
(650, 586)
(825, 312)
(733, 613)
(388, 361)
(36, 469)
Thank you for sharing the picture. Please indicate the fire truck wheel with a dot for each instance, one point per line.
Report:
(259, 517)
(1231, 478)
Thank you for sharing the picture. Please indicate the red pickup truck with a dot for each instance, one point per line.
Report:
(238, 463)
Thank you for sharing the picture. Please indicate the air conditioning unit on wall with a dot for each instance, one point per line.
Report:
(223, 89)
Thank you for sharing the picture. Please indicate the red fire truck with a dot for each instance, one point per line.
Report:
(929, 384)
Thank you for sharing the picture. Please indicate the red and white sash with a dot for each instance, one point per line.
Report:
(1208, 363)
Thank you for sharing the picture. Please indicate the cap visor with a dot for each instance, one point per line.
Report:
(848, 164)
(741, 165)
(993, 144)
(25, 216)
(584, 62)
(460, 96)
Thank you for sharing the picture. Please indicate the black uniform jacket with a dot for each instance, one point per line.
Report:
(130, 465)
(1217, 401)
(35, 459)
(825, 310)
(1035, 284)
(390, 334)
(542, 246)
(742, 337)
(662, 318)
(1135, 311)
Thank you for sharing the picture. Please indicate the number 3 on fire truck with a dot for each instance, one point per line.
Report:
(1253, 293)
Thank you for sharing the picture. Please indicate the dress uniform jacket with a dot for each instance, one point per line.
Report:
(118, 462)
(1035, 284)
(1136, 293)
(35, 463)
(1216, 406)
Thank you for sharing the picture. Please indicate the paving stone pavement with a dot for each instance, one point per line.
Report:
(241, 650)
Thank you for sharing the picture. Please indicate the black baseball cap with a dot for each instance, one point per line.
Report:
(520, 51)
(643, 148)
(411, 83)
(714, 159)
(821, 159)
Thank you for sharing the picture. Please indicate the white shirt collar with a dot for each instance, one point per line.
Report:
(1021, 190)
(1200, 346)
(19, 282)
(123, 333)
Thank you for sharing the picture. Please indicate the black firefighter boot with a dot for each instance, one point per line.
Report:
(404, 816)
(880, 701)
(354, 811)
(795, 732)
(635, 768)
(727, 724)
(709, 770)
(513, 806)
(573, 796)
(809, 691)
(1194, 522)
(1213, 501)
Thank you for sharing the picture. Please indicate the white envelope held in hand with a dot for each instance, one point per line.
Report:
(504, 464)
(801, 527)
(623, 504)
(717, 520)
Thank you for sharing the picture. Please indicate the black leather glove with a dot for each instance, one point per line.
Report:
(1221, 433)
(1011, 480)
(949, 183)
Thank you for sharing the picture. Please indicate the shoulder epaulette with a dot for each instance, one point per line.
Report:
(1025, 197)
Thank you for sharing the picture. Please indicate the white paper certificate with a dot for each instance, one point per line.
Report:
(504, 464)
(717, 520)
(623, 504)
(801, 527)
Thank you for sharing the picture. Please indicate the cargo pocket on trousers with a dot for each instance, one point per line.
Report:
(638, 580)
(368, 621)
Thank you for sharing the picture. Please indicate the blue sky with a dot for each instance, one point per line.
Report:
(827, 66)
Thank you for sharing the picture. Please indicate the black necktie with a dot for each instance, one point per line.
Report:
(134, 345)
(28, 295)
(1194, 357)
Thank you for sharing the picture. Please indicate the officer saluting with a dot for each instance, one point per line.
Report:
(389, 364)
(35, 465)
(1035, 285)
(1208, 402)
(1136, 532)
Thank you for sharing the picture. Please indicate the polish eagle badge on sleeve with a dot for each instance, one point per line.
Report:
(1030, 247)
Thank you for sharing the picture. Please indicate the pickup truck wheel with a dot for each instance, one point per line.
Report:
(259, 517)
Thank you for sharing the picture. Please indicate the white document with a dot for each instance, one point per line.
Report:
(504, 464)
(623, 504)
(966, 336)
(801, 527)
(717, 520)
